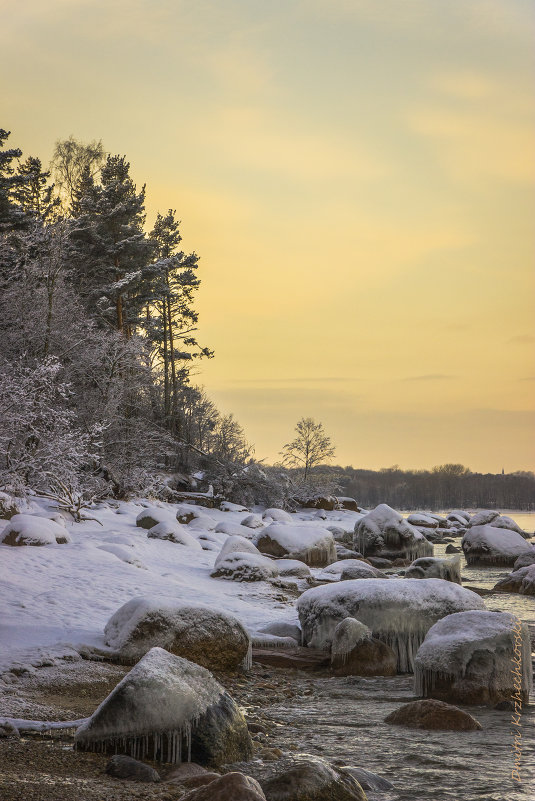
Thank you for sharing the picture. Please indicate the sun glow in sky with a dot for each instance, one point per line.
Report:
(357, 177)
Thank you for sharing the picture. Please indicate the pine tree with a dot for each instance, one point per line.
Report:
(11, 215)
(34, 193)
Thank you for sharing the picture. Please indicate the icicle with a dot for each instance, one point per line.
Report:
(247, 661)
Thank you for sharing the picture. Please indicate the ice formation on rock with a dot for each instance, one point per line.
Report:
(430, 567)
(521, 580)
(471, 657)
(483, 517)
(27, 529)
(214, 639)
(281, 629)
(293, 567)
(166, 708)
(334, 571)
(384, 532)
(174, 532)
(311, 544)
(487, 545)
(347, 635)
(243, 566)
(398, 612)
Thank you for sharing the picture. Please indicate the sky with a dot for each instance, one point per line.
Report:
(357, 177)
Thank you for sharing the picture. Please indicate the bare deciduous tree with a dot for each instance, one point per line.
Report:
(310, 447)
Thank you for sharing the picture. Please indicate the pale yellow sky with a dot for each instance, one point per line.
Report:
(357, 177)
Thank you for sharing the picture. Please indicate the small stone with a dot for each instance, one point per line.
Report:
(231, 787)
(121, 766)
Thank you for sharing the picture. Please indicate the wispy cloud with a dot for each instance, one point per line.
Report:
(522, 339)
(429, 377)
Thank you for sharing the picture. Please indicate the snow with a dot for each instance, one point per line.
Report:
(430, 567)
(174, 532)
(398, 612)
(333, 572)
(230, 528)
(277, 515)
(299, 541)
(154, 515)
(122, 554)
(235, 544)
(241, 566)
(161, 698)
(492, 545)
(227, 506)
(451, 643)
(252, 521)
(384, 531)
(25, 529)
(347, 635)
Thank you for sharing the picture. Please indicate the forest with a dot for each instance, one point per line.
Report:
(100, 343)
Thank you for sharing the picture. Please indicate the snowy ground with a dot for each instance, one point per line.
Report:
(58, 597)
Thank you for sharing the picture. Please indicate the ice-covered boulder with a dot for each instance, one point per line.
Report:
(475, 657)
(243, 566)
(236, 544)
(487, 545)
(213, 639)
(231, 529)
(430, 567)
(422, 520)
(24, 529)
(172, 530)
(153, 515)
(460, 514)
(483, 517)
(502, 521)
(525, 559)
(168, 709)
(399, 612)
(521, 580)
(432, 715)
(354, 652)
(293, 567)
(351, 568)
(313, 545)
(384, 532)
(281, 629)
(276, 515)
(252, 521)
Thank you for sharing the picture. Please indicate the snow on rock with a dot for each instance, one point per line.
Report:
(311, 544)
(208, 637)
(123, 554)
(153, 515)
(235, 544)
(475, 657)
(398, 612)
(230, 528)
(483, 517)
(25, 529)
(210, 540)
(502, 521)
(10, 506)
(521, 580)
(426, 521)
(384, 532)
(202, 523)
(174, 532)
(525, 559)
(334, 571)
(277, 515)
(354, 652)
(166, 709)
(430, 567)
(252, 521)
(227, 506)
(464, 515)
(242, 566)
(282, 629)
(293, 567)
(488, 545)
(456, 520)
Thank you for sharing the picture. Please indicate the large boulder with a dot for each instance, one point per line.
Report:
(429, 567)
(354, 652)
(525, 559)
(475, 657)
(230, 787)
(422, 520)
(203, 635)
(521, 580)
(311, 544)
(23, 529)
(483, 517)
(348, 503)
(167, 708)
(349, 568)
(502, 521)
(306, 778)
(399, 612)
(488, 545)
(326, 502)
(384, 532)
(433, 714)
(243, 566)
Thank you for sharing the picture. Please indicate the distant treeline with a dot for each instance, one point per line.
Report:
(444, 487)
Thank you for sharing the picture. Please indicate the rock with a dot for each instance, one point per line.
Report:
(346, 553)
(308, 778)
(475, 657)
(161, 705)
(381, 563)
(348, 503)
(422, 520)
(197, 781)
(121, 766)
(292, 658)
(24, 529)
(201, 523)
(326, 502)
(349, 569)
(504, 706)
(367, 779)
(153, 515)
(341, 535)
(233, 529)
(8, 730)
(276, 515)
(227, 506)
(241, 566)
(502, 521)
(293, 567)
(453, 549)
(459, 514)
(10, 506)
(236, 544)
(521, 581)
(252, 521)
(429, 567)
(398, 612)
(354, 652)
(231, 787)
(174, 532)
(281, 629)
(525, 559)
(215, 640)
(313, 545)
(488, 545)
(185, 513)
(483, 518)
(185, 771)
(433, 715)
(384, 532)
